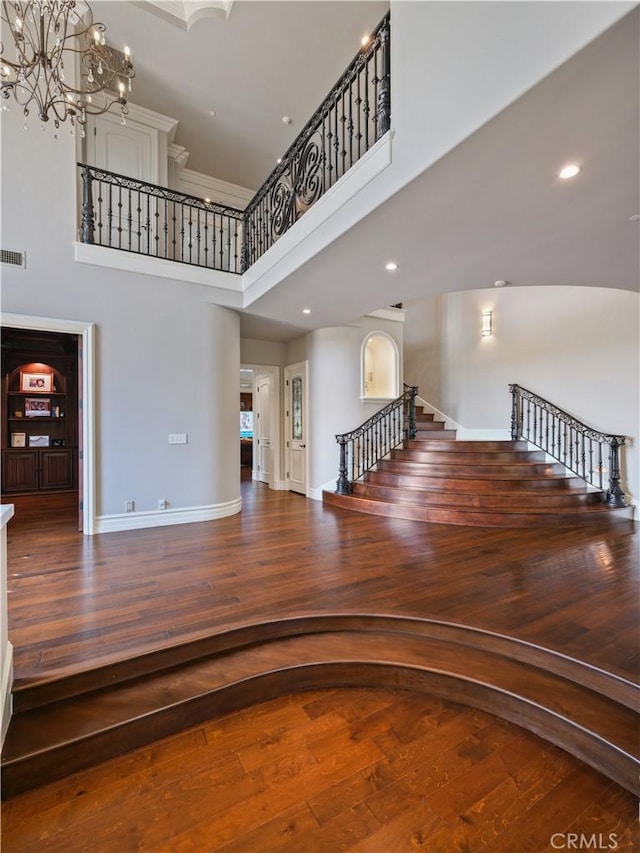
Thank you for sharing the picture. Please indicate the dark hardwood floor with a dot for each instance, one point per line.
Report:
(391, 771)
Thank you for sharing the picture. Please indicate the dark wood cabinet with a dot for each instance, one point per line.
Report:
(36, 469)
(56, 468)
(39, 412)
(19, 470)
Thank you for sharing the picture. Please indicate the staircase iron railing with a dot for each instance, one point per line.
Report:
(580, 448)
(135, 216)
(365, 446)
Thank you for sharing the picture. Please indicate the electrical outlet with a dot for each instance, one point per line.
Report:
(162, 504)
(178, 438)
(129, 506)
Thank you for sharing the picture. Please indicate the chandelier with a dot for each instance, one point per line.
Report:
(58, 62)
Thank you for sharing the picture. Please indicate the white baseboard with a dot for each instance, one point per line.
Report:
(279, 485)
(165, 517)
(316, 494)
(6, 697)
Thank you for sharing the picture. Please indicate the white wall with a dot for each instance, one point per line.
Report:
(335, 405)
(577, 347)
(253, 351)
(166, 360)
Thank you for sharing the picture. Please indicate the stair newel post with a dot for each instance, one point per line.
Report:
(88, 218)
(342, 484)
(383, 114)
(412, 412)
(615, 495)
(514, 412)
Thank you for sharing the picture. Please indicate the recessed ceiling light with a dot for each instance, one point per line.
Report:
(306, 310)
(279, 160)
(286, 119)
(391, 266)
(499, 283)
(569, 171)
(212, 113)
(364, 41)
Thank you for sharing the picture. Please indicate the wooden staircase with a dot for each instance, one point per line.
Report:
(75, 720)
(436, 478)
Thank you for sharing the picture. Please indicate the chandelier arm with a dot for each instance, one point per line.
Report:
(46, 33)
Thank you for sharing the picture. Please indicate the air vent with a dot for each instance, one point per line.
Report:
(14, 259)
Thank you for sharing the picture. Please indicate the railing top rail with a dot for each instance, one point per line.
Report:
(378, 416)
(162, 192)
(590, 432)
(349, 74)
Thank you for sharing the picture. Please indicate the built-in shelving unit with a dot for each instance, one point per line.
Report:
(39, 413)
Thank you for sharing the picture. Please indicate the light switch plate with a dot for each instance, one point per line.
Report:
(178, 438)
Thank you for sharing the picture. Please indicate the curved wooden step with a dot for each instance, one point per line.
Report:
(469, 457)
(52, 741)
(475, 485)
(544, 499)
(445, 468)
(462, 445)
(507, 516)
(105, 672)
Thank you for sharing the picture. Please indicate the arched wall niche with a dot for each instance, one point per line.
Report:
(380, 367)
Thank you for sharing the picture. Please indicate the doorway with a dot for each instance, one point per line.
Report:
(85, 335)
(296, 427)
(263, 382)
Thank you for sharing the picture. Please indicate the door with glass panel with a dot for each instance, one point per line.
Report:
(296, 426)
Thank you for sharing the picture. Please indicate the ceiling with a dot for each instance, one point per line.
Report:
(265, 61)
(493, 208)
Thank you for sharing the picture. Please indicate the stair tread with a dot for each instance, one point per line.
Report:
(466, 472)
(473, 485)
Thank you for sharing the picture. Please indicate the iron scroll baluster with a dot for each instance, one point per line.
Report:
(569, 446)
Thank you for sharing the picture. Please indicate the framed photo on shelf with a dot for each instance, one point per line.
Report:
(35, 407)
(36, 383)
(18, 439)
(38, 441)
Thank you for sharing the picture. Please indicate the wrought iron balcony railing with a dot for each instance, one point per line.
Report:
(134, 216)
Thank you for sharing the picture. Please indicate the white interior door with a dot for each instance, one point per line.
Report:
(296, 421)
(263, 428)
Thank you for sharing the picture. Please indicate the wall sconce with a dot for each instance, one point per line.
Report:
(487, 324)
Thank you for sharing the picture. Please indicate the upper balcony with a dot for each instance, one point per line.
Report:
(402, 121)
(130, 215)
